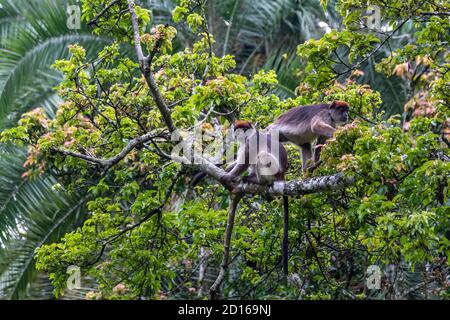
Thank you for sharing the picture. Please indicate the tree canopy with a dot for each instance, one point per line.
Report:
(379, 197)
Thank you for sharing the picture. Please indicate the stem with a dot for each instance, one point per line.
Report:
(227, 36)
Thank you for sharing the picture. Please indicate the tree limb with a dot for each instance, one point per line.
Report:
(279, 188)
(299, 187)
(145, 64)
(370, 54)
(109, 162)
(213, 291)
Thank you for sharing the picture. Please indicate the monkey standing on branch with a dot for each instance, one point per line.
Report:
(305, 124)
(266, 160)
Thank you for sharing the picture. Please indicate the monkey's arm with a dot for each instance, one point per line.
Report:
(240, 165)
(321, 128)
(320, 141)
(236, 170)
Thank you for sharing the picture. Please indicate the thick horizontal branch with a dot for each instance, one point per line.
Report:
(287, 188)
(299, 187)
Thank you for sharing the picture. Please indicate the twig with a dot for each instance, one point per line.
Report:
(95, 20)
(109, 162)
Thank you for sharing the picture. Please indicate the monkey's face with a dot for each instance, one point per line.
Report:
(339, 114)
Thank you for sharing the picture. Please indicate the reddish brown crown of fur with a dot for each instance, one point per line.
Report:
(242, 124)
(339, 104)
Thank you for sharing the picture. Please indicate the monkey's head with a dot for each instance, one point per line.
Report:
(339, 111)
(243, 125)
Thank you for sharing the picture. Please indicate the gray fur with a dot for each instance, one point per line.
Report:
(304, 125)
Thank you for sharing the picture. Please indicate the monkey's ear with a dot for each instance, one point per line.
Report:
(338, 104)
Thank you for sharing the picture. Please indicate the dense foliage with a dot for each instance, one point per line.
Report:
(150, 234)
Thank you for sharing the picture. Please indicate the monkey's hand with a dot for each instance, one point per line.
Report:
(228, 179)
(250, 179)
(314, 166)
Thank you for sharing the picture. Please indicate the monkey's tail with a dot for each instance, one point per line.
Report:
(284, 246)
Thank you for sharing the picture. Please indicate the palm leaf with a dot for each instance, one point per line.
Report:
(31, 214)
(34, 35)
(29, 49)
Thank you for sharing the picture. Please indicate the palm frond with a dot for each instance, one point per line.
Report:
(28, 50)
(31, 214)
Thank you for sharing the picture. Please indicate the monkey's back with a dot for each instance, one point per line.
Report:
(301, 114)
(295, 124)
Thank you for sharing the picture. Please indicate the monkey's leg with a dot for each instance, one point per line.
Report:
(251, 179)
(317, 149)
(241, 164)
(253, 176)
(306, 155)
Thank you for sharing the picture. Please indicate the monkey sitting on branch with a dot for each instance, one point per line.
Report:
(305, 124)
(266, 160)
(263, 155)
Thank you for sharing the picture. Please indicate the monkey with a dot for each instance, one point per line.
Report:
(266, 160)
(305, 124)
(257, 154)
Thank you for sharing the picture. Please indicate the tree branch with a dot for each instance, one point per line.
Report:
(136, 35)
(145, 65)
(279, 188)
(109, 162)
(368, 56)
(434, 13)
(213, 291)
(299, 187)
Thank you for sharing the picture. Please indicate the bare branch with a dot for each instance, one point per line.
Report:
(434, 13)
(145, 65)
(299, 187)
(213, 291)
(136, 35)
(112, 160)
